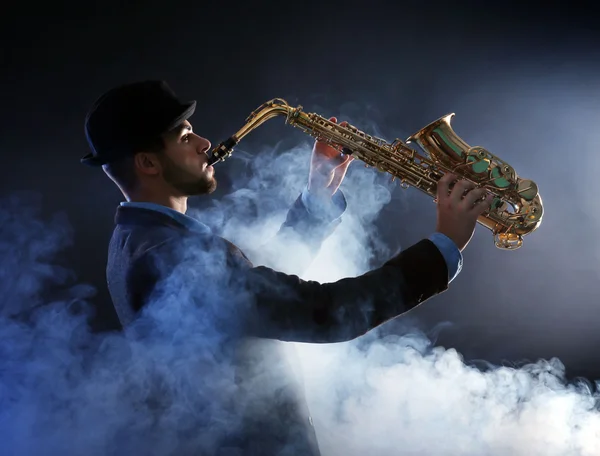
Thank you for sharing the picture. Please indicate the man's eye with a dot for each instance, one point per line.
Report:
(185, 138)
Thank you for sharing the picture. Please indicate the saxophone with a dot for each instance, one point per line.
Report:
(516, 209)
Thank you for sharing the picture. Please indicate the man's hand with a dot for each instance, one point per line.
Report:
(328, 168)
(458, 209)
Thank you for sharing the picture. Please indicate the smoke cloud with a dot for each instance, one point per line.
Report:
(65, 390)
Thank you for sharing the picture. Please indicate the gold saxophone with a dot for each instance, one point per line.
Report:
(516, 209)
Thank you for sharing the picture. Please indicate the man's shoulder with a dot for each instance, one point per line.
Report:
(135, 237)
(137, 243)
(132, 243)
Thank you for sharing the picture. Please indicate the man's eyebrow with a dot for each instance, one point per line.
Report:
(178, 131)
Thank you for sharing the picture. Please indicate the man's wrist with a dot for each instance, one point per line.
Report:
(450, 252)
(322, 205)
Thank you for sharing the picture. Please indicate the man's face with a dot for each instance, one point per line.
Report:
(184, 162)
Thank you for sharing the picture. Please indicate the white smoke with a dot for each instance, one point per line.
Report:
(399, 395)
(395, 397)
(66, 391)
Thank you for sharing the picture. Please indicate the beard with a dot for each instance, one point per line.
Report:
(186, 182)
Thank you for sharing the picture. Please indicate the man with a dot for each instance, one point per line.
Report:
(169, 275)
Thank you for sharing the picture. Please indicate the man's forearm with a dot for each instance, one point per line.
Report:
(289, 308)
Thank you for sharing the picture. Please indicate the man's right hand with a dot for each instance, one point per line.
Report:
(458, 209)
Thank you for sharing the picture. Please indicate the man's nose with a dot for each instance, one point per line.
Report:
(204, 146)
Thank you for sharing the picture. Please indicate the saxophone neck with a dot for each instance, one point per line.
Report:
(273, 108)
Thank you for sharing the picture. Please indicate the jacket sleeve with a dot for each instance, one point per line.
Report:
(308, 223)
(291, 309)
(314, 219)
(281, 306)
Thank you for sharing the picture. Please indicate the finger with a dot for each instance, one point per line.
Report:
(473, 196)
(443, 186)
(346, 160)
(484, 205)
(460, 189)
(344, 124)
(333, 119)
(336, 161)
(342, 160)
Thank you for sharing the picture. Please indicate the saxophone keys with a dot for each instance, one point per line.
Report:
(527, 189)
(508, 241)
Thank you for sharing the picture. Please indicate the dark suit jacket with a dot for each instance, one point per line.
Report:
(195, 283)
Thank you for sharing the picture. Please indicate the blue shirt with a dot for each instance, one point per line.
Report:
(453, 256)
(446, 246)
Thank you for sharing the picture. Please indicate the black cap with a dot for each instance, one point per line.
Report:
(128, 118)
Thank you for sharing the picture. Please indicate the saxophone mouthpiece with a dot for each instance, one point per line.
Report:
(222, 151)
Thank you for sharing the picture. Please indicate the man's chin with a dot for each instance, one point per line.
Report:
(201, 188)
(206, 188)
(212, 186)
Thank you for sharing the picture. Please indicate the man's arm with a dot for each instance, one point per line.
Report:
(289, 308)
(308, 223)
(312, 219)
(215, 275)
(316, 212)
(285, 307)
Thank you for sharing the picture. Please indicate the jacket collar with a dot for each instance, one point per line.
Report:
(132, 214)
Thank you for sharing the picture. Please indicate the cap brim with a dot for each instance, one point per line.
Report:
(91, 160)
(187, 112)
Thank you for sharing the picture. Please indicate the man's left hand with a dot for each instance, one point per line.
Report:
(328, 167)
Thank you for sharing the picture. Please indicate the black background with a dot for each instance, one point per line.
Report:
(521, 77)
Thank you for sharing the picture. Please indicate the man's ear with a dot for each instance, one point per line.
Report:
(147, 163)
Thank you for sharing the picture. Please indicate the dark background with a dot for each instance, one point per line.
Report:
(521, 77)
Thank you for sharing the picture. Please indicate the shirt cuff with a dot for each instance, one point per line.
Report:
(451, 253)
(324, 208)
